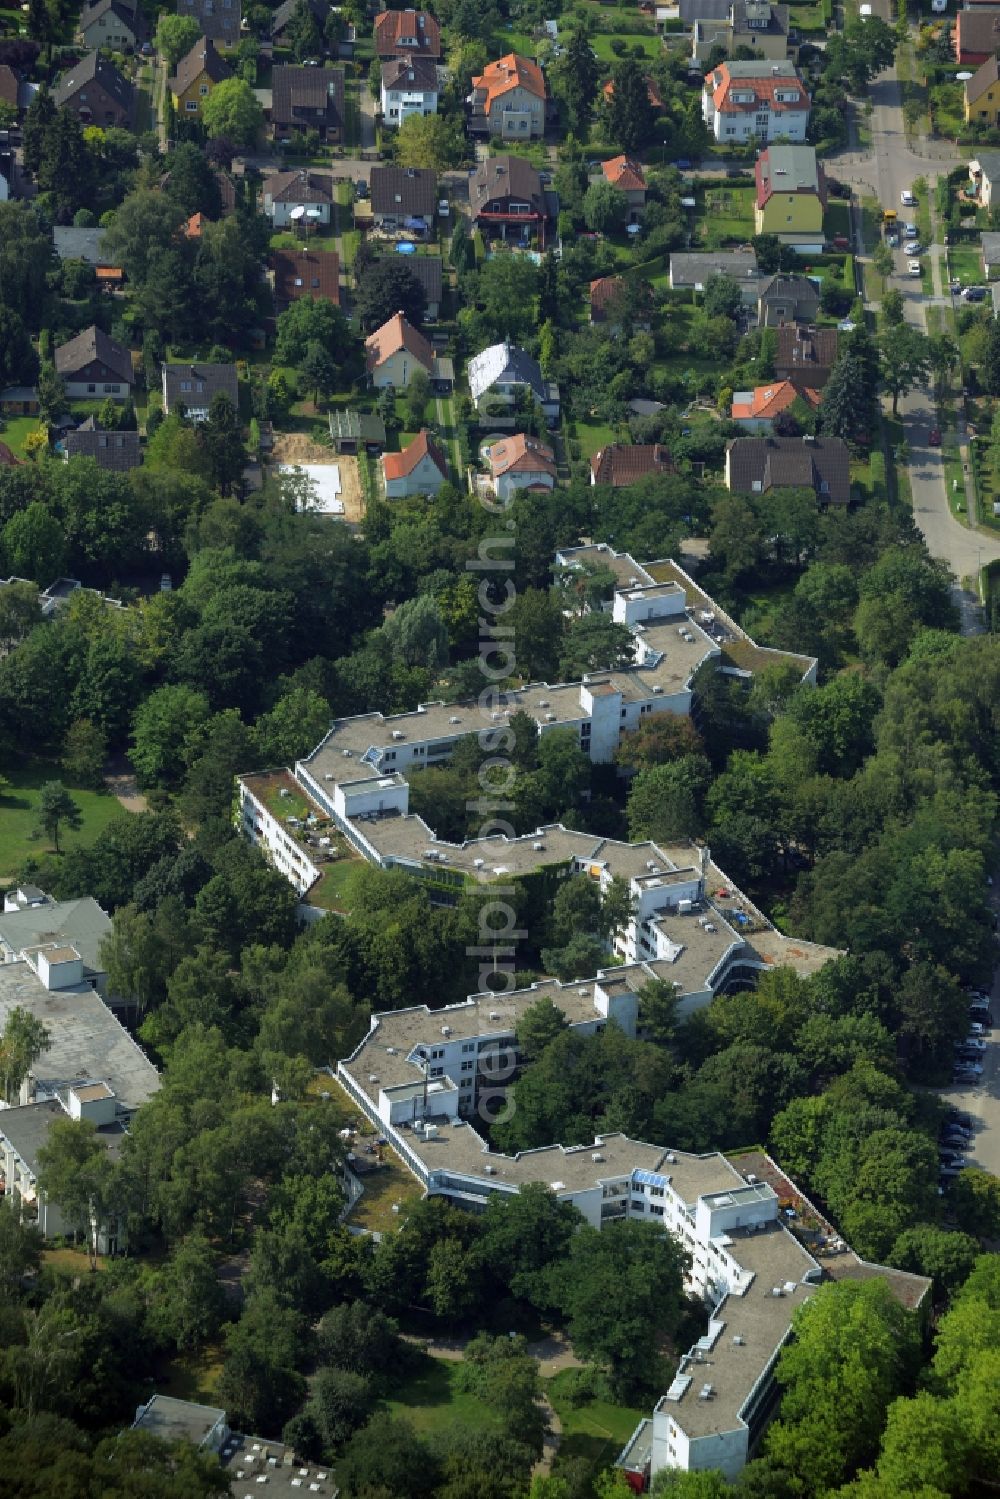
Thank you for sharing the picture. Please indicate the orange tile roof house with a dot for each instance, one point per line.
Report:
(625, 174)
(756, 409)
(622, 463)
(407, 33)
(606, 299)
(763, 100)
(652, 92)
(521, 462)
(977, 34)
(421, 468)
(395, 351)
(508, 99)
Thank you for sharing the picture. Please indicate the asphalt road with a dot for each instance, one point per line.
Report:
(982, 1101)
(884, 173)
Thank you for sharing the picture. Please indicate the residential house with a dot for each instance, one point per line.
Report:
(429, 271)
(395, 351)
(195, 386)
(282, 18)
(297, 199)
(765, 101)
(304, 98)
(805, 355)
(626, 175)
(15, 90)
(115, 452)
(756, 465)
(787, 298)
(991, 254)
(984, 175)
(94, 365)
(696, 268)
(356, 431)
(791, 197)
(197, 75)
(982, 93)
(71, 243)
(96, 93)
(508, 100)
(756, 409)
(304, 273)
(407, 33)
(615, 300)
(500, 374)
(23, 1134)
(409, 86)
(194, 226)
(402, 197)
(520, 462)
(652, 92)
(421, 468)
(977, 35)
(623, 463)
(219, 19)
(507, 199)
(755, 24)
(118, 25)
(19, 400)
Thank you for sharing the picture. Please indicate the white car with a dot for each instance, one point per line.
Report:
(444, 208)
(907, 199)
(939, 7)
(910, 231)
(913, 267)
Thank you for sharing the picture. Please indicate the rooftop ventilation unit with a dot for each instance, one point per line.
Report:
(454, 718)
(373, 1077)
(490, 1170)
(738, 1340)
(657, 688)
(446, 1030)
(398, 734)
(706, 1392)
(391, 1050)
(777, 1290)
(478, 863)
(672, 1158)
(329, 776)
(543, 702)
(558, 1186)
(583, 993)
(550, 718)
(538, 846)
(494, 1014)
(346, 754)
(595, 1155)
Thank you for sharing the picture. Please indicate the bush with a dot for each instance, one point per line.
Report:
(618, 46)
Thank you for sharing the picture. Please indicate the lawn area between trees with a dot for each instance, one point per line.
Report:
(19, 799)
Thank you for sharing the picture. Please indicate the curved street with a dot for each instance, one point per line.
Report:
(883, 173)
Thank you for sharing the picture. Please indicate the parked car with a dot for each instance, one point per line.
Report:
(907, 199)
(975, 294)
(913, 267)
(965, 1072)
(979, 995)
(910, 231)
(361, 188)
(934, 437)
(977, 1028)
(915, 249)
(961, 1117)
(892, 240)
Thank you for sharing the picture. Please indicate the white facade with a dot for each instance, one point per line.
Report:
(279, 844)
(304, 216)
(399, 103)
(506, 485)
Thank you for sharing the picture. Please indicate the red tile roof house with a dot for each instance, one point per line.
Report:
(756, 409)
(509, 99)
(622, 463)
(606, 295)
(395, 351)
(652, 92)
(407, 33)
(421, 468)
(626, 175)
(521, 462)
(305, 273)
(977, 34)
(761, 100)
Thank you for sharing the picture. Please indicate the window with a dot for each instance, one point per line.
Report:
(203, 90)
(468, 1066)
(191, 105)
(436, 1071)
(91, 390)
(110, 390)
(656, 1211)
(102, 442)
(469, 1046)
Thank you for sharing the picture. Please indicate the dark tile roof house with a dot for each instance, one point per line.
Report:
(297, 187)
(202, 58)
(429, 272)
(403, 193)
(71, 243)
(694, 268)
(415, 75)
(14, 90)
(193, 386)
(96, 92)
(622, 463)
(787, 299)
(94, 355)
(285, 12)
(755, 465)
(690, 11)
(117, 452)
(352, 430)
(305, 273)
(499, 180)
(307, 99)
(805, 355)
(219, 19)
(407, 33)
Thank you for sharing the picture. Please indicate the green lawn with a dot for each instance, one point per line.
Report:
(193, 1376)
(18, 814)
(14, 431)
(332, 890)
(651, 45)
(431, 1400)
(386, 1184)
(596, 1430)
(594, 435)
(283, 240)
(965, 264)
(727, 214)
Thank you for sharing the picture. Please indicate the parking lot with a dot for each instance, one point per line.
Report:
(982, 1099)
